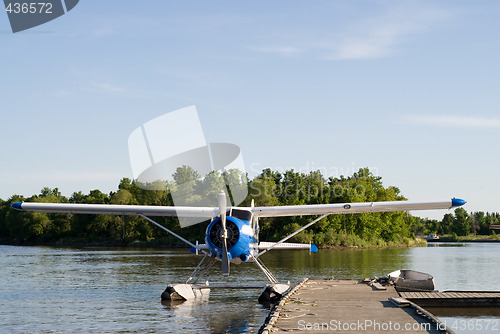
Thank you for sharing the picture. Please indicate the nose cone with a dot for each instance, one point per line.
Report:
(456, 202)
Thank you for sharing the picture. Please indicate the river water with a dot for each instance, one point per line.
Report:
(117, 290)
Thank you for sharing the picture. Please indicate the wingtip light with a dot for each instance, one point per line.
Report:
(456, 202)
(17, 206)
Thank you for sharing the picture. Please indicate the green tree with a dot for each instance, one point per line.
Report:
(91, 227)
(447, 224)
(490, 219)
(478, 220)
(270, 188)
(462, 223)
(4, 231)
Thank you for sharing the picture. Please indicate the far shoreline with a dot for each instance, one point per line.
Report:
(160, 245)
(489, 240)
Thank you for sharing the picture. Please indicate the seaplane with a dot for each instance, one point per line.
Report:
(232, 236)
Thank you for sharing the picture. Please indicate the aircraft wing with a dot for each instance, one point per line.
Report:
(212, 212)
(110, 209)
(343, 208)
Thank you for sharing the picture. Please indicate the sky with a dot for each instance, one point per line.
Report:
(409, 89)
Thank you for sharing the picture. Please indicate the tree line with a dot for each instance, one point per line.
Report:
(459, 223)
(268, 188)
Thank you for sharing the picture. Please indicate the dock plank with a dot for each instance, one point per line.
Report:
(454, 298)
(378, 286)
(324, 306)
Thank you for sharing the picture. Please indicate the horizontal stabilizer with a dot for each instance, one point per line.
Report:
(285, 245)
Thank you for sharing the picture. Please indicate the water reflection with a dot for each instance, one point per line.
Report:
(96, 290)
(477, 312)
(345, 263)
(229, 312)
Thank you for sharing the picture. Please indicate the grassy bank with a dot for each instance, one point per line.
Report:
(469, 238)
(336, 241)
(346, 240)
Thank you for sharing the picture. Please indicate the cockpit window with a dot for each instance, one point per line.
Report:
(242, 214)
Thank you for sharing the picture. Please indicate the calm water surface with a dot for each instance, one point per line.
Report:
(97, 290)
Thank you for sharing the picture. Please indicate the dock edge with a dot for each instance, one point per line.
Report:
(276, 309)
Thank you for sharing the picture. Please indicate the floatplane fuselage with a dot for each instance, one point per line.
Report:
(232, 235)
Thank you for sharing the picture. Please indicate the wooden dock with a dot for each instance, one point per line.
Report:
(346, 306)
(454, 298)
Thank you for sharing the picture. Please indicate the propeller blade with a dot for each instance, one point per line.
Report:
(222, 209)
(225, 255)
(225, 259)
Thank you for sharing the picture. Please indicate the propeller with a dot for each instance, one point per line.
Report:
(225, 255)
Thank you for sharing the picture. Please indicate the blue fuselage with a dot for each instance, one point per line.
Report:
(241, 243)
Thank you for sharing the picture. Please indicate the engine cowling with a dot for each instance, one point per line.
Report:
(239, 233)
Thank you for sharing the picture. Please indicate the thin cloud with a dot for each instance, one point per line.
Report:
(105, 87)
(455, 121)
(53, 177)
(281, 50)
(372, 37)
(380, 36)
(380, 42)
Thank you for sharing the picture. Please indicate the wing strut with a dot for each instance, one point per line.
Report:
(169, 231)
(291, 235)
(264, 269)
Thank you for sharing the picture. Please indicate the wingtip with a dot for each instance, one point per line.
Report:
(456, 202)
(17, 206)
